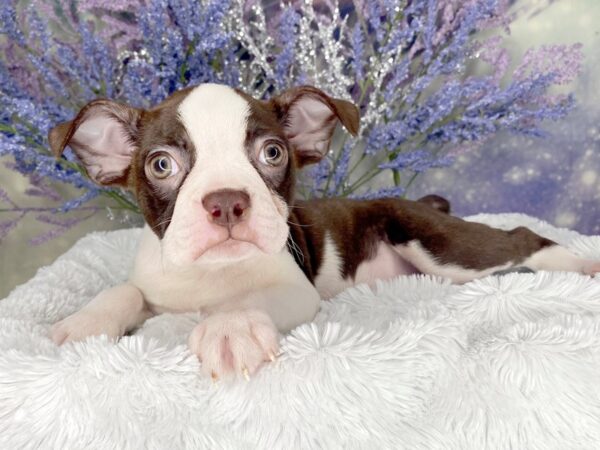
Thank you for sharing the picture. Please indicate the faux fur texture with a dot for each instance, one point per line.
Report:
(416, 363)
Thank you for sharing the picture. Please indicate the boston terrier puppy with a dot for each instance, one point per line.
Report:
(213, 172)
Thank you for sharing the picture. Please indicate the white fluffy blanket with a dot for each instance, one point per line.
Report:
(416, 363)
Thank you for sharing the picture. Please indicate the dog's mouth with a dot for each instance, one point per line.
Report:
(232, 242)
(229, 249)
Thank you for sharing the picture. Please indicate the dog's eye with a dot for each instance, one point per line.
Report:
(272, 154)
(161, 165)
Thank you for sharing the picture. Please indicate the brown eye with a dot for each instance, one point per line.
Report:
(161, 166)
(272, 154)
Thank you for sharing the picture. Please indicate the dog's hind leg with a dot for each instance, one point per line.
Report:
(428, 263)
(439, 244)
(557, 258)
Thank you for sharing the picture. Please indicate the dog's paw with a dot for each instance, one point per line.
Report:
(234, 342)
(84, 324)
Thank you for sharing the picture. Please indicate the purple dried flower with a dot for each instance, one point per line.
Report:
(8, 225)
(6, 199)
(402, 61)
(417, 161)
(492, 53)
(358, 50)
(563, 62)
(393, 192)
(9, 25)
(61, 226)
(317, 177)
(340, 170)
(110, 5)
(287, 34)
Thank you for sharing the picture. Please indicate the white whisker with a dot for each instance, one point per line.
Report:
(295, 248)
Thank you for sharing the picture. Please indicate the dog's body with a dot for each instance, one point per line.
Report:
(345, 242)
(213, 172)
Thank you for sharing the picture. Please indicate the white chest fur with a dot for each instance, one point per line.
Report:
(170, 289)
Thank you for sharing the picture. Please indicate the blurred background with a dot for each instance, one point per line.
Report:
(556, 179)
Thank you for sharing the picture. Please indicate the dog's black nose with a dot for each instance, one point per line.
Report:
(226, 207)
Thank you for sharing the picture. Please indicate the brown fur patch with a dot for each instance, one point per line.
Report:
(436, 202)
(356, 228)
(264, 123)
(159, 126)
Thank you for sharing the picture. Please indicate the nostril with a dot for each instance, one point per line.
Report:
(238, 210)
(216, 213)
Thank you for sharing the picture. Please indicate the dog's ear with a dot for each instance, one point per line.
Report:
(103, 136)
(309, 117)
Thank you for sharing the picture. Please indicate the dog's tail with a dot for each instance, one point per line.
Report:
(436, 202)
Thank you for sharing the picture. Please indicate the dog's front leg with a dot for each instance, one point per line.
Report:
(113, 312)
(238, 336)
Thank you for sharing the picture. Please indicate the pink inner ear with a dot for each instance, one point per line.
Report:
(103, 146)
(310, 125)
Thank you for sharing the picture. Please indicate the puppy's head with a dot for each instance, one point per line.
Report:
(211, 167)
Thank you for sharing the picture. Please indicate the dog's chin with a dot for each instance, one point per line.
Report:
(228, 251)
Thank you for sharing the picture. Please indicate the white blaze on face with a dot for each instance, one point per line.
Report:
(215, 118)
